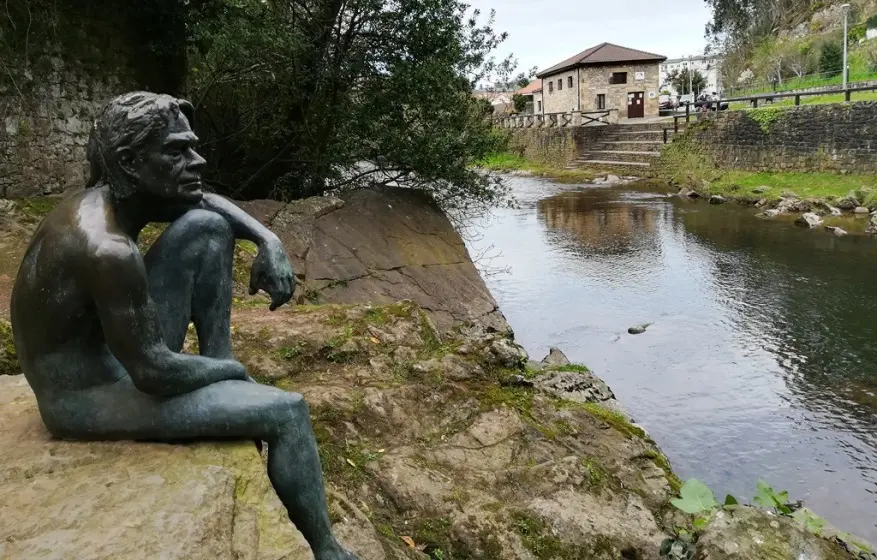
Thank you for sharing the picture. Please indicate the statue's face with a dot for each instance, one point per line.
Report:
(171, 168)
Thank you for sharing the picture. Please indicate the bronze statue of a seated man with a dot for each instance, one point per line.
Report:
(99, 328)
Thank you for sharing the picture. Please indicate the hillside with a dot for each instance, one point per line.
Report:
(792, 44)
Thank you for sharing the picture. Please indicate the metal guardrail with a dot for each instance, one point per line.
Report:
(715, 105)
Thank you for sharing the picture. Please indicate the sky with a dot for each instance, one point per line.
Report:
(545, 32)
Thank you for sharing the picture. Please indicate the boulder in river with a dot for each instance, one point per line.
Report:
(872, 225)
(718, 199)
(861, 210)
(838, 232)
(809, 220)
(772, 213)
(685, 192)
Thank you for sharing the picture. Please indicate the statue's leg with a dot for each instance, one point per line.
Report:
(228, 409)
(190, 279)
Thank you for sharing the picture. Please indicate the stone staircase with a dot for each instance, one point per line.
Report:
(626, 149)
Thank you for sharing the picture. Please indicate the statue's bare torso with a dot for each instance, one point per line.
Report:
(54, 310)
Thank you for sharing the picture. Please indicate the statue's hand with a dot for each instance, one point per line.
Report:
(272, 273)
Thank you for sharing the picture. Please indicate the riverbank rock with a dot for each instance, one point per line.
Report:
(744, 532)
(825, 209)
(836, 231)
(767, 214)
(447, 457)
(809, 220)
(861, 210)
(555, 357)
(788, 205)
(718, 199)
(848, 203)
(760, 190)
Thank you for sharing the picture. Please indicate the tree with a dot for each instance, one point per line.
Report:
(831, 59)
(520, 102)
(344, 94)
(678, 79)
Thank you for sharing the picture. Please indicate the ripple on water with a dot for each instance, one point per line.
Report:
(762, 359)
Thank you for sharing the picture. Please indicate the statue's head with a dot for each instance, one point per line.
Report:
(143, 143)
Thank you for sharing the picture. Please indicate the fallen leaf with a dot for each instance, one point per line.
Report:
(352, 464)
(409, 541)
(381, 450)
(375, 340)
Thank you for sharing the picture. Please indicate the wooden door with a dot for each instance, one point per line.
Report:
(636, 107)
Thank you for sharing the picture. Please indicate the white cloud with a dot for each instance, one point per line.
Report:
(544, 32)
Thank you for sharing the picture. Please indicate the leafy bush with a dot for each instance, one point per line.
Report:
(831, 59)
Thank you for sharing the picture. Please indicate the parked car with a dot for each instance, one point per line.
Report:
(667, 103)
(709, 99)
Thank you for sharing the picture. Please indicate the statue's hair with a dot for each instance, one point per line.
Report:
(129, 121)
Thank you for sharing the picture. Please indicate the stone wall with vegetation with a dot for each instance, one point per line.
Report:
(45, 132)
(830, 138)
(62, 60)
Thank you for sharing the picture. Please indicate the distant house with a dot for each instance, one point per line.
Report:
(501, 101)
(605, 77)
(533, 91)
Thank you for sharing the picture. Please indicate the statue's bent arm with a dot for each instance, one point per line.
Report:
(132, 331)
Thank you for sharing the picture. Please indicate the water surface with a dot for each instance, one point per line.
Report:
(762, 359)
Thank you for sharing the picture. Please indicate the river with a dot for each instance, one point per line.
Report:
(762, 359)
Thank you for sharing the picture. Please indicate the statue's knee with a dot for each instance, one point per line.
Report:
(207, 224)
(292, 408)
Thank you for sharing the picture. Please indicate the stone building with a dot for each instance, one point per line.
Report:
(605, 77)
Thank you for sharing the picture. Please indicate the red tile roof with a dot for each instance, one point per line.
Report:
(533, 87)
(604, 53)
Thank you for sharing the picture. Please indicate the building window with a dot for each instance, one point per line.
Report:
(618, 78)
(550, 87)
(539, 105)
(601, 101)
(569, 82)
(560, 84)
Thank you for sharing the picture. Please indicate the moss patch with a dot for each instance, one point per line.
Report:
(538, 538)
(8, 358)
(33, 210)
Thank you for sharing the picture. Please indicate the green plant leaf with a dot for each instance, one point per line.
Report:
(731, 500)
(700, 523)
(812, 522)
(696, 497)
(765, 495)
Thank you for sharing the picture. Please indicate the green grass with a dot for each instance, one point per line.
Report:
(810, 100)
(506, 162)
(805, 185)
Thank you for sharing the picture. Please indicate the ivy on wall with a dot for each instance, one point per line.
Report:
(145, 39)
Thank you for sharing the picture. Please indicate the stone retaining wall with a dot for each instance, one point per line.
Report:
(44, 133)
(831, 138)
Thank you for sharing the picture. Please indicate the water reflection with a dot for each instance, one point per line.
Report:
(762, 362)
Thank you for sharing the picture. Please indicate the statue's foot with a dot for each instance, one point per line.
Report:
(336, 552)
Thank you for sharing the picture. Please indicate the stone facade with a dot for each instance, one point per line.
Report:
(538, 100)
(558, 96)
(43, 135)
(593, 80)
(833, 138)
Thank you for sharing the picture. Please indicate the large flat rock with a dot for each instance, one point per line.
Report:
(69, 500)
